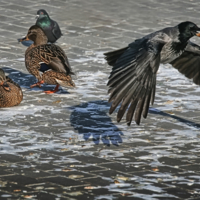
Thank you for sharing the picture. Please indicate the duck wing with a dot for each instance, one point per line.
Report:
(54, 57)
(11, 81)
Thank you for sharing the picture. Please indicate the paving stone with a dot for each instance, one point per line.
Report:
(179, 193)
(172, 161)
(121, 167)
(20, 179)
(15, 188)
(73, 174)
(111, 173)
(30, 172)
(90, 159)
(98, 181)
(11, 158)
(62, 181)
(126, 196)
(6, 196)
(42, 196)
(85, 168)
(80, 196)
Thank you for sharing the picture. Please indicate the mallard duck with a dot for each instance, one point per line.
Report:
(10, 92)
(49, 59)
(49, 26)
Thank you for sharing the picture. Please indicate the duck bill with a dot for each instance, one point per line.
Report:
(36, 17)
(6, 86)
(23, 39)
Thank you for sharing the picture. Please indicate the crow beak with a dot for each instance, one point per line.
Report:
(36, 16)
(23, 39)
(198, 32)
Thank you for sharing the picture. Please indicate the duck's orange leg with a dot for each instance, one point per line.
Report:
(37, 84)
(52, 91)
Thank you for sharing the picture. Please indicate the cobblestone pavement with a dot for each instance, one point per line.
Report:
(66, 145)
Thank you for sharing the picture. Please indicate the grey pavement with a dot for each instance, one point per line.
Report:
(66, 145)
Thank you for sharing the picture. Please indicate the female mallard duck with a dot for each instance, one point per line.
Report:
(10, 92)
(49, 59)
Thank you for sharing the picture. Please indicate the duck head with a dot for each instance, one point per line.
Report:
(37, 35)
(3, 82)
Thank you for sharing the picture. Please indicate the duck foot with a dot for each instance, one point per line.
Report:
(52, 91)
(37, 84)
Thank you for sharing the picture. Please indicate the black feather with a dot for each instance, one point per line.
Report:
(132, 81)
(112, 56)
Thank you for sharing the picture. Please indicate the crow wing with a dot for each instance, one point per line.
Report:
(132, 81)
(188, 63)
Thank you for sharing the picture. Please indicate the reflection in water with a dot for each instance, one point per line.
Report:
(91, 120)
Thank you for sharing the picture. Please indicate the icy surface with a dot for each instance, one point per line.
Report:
(66, 145)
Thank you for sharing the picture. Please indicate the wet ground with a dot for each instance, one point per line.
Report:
(66, 145)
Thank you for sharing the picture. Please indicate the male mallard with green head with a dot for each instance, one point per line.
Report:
(49, 59)
(10, 92)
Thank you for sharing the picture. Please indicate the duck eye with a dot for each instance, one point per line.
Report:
(42, 13)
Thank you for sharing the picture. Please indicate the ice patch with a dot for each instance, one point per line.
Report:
(20, 59)
(3, 60)
(98, 57)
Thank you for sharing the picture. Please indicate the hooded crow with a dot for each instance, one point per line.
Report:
(132, 81)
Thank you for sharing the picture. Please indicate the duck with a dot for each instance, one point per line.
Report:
(132, 81)
(47, 62)
(49, 26)
(10, 92)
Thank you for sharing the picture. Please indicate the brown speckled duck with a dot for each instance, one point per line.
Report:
(10, 92)
(49, 59)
